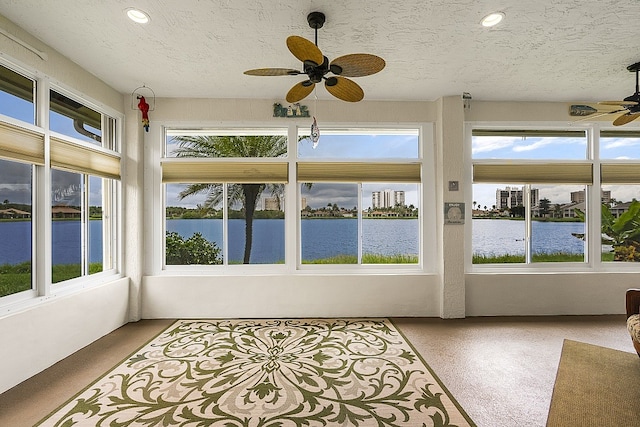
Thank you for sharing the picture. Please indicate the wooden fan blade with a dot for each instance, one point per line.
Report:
(621, 103)
(299, 92)
(345, 89)
(625, 118)
(357, 65)
(596, 115)
(272, 72)
(304, 50)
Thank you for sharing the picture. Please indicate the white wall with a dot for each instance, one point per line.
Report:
(282, 296)
(37, 337)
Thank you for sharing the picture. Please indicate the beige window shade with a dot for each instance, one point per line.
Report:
(358, 172)
(555, 173)
(67, 155)
(17, 143)
(211, 171)
(620, 173)
(620, 134)
(529, 132)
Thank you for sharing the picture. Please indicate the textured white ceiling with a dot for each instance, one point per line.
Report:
(545, 50)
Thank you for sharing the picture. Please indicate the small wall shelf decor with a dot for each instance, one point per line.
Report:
(294, 110)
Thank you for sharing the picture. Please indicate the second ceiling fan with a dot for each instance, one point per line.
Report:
(316, 66)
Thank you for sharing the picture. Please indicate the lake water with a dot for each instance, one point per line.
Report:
(321, 238)
(500, 237)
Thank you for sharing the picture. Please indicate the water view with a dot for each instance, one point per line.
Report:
(320, 238)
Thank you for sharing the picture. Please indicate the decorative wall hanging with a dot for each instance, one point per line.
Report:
(143, 98)
(294, 110)
(315, 133)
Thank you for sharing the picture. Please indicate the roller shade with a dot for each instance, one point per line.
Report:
(358, 172)
(529, 132)
(620, 173)
(213, 170)
(18, 143)
(555, 173)
(70, 156)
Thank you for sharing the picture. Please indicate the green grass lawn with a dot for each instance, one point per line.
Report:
(551, 257)
(17, 278)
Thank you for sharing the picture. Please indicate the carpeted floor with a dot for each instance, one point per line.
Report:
(313, 372)
(595, 386)
(500, 369)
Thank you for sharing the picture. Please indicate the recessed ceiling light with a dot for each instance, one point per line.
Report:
(492, 19)
(137, 15)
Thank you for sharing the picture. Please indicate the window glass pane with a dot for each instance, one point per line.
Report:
(15, 227)
(71, 118)
(620, 219)
(96, 226)
(620, 147)
(66, 227)
(529, 147)
(328, 224)
(256, 223)
(558, 223)
(498, 224)
(194, 233)
(237, 143)
(360, 144)
(390, 226)
(17, 96)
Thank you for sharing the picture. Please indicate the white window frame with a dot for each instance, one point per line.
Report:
(154, 196)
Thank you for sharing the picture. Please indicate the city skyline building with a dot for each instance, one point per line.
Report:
(387, 199)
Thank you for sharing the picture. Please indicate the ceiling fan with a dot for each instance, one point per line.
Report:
(316, 66)
(629, 107)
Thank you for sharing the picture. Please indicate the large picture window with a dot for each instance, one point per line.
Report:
(357, 192)
(529, 196)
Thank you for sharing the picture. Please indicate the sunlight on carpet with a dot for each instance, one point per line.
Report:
(313, 372)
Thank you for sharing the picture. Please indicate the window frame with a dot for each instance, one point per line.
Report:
(593, 261)
(292, 263)
(112, 130)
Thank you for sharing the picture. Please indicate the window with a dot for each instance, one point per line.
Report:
(16, 227)
(17, 95)
(224, 193)
(74, 119)
(620, 178)
(83, 178)
(83, 170)
(529, 196)
(364, 210)
(357, 193)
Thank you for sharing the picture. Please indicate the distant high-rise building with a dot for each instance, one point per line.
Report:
(387, 198)
(579, 196)
(510, 197)
(271, 204)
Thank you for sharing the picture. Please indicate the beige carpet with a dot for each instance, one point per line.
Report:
(297, 372)
(595, 386)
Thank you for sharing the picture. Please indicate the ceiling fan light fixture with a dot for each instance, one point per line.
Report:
(137, 15)
(492, 19)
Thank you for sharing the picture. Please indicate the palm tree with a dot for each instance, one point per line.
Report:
(246, 194)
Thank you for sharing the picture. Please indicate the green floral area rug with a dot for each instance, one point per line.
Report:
(268, 373)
